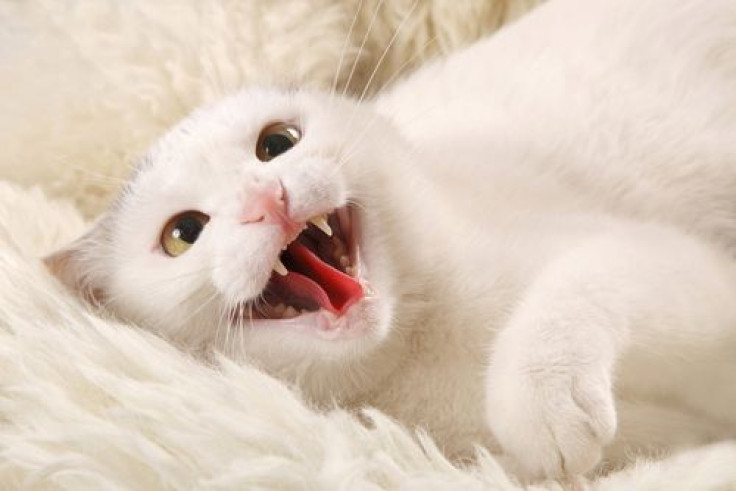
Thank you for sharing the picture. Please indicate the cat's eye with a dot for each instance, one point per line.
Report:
(276, 139)
(181, 231)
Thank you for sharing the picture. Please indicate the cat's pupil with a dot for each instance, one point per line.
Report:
(276, 139)
(276, 144)
(187, 229)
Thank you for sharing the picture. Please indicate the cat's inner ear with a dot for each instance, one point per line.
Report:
(73, 267)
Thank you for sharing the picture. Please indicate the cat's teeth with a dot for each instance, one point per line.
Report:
(369, 292)
(321, 223)
(279, 310)
(280, 268)
(344, 261)
(339, 247)
(290, 312)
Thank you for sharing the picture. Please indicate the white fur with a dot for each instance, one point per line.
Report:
(99, 81)
(607, 175)
(589, 274)
(545, 244)
(87, 403)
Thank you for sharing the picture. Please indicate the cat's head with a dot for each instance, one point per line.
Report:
(260, 225)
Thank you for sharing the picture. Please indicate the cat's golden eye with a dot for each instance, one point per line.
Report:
(276, 139)
(181, 231)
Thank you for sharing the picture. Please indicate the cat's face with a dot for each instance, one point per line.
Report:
(258, 226)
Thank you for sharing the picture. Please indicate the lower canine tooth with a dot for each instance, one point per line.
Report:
(290, 312)
(321, 223)
(280, 268)
(344, 261)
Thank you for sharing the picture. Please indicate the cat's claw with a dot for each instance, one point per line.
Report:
(551, 423)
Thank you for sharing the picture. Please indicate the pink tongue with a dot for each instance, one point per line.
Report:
(332, 289)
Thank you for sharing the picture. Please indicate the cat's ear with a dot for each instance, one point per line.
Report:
(80, 266)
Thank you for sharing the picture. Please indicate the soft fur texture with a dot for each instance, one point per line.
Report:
(86, 403)
(98, 81)
(87, 388)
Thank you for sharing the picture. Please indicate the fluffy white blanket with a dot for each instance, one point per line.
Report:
(87, 403)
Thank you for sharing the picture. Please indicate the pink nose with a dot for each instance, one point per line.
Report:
(264, 202)
(267, 204)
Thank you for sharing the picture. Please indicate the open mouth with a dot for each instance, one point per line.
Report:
(318, 270)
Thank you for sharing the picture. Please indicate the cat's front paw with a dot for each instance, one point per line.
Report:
(551, 422)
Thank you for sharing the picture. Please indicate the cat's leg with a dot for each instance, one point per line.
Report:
(550, 384)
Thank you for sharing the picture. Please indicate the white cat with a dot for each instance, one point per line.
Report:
(527, 245)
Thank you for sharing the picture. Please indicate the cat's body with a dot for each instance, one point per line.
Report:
(577, 131)
(547, 218)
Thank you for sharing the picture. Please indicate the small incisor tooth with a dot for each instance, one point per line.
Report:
(339, 247)
(321, 223)
(280, 268)
(290, 312)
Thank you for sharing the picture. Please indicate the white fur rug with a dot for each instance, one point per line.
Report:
(87, 403)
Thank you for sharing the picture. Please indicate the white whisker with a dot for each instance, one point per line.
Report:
(406, 63)
(200, 308)
(386, 50)
(362, 46)
(344, 49)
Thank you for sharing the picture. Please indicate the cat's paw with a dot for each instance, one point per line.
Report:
(551, 422)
